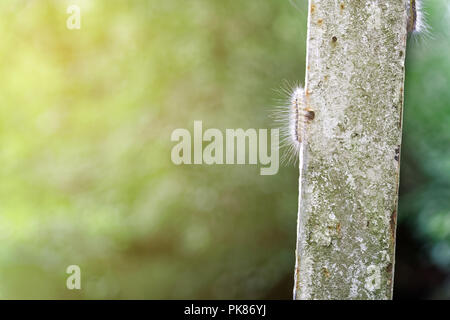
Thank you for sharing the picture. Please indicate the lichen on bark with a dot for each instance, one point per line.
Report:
(349, 164)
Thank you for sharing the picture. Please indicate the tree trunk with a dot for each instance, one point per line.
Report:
(350, 161)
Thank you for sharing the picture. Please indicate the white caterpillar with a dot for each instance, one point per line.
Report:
(294, 118)
(416, 18)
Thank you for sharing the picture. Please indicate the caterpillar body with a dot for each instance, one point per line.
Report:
(294, 118)
(416, 19)
(301, 115)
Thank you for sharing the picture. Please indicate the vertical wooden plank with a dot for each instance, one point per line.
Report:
(349, 165)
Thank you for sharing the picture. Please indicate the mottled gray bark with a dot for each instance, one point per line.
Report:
(349, 165)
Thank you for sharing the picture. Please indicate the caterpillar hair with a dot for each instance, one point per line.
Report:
(416, 18)
(293, 116)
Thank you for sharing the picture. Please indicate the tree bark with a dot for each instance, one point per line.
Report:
(350, 161)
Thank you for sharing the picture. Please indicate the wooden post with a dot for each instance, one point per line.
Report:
(349, 165)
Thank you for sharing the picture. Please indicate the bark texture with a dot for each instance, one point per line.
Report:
(349, 165)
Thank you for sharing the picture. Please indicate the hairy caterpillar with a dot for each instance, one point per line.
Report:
(294, 117)
(416, 20)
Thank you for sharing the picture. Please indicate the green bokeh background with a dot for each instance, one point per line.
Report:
(86, 177)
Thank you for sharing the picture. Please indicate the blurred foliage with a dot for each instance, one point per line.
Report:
(425, 173)
(85, 123)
